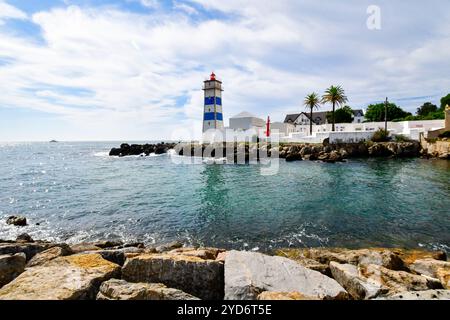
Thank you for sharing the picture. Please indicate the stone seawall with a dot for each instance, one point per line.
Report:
(112, 270)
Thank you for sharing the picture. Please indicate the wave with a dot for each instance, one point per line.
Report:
(101, 154)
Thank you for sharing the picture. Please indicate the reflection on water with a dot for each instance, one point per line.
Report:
(77, 193)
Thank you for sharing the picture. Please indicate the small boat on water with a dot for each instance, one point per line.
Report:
(53, 141)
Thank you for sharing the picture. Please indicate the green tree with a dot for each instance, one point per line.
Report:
(336, 96)
(426, 108)
(375, 112)
(312, 101)
(342, 115)
(445, 101)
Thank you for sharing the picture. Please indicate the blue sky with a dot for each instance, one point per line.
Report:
(133, 69)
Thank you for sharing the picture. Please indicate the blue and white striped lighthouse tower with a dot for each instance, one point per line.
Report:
(212, 112)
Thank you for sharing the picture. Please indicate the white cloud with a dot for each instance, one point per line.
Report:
(7, 11)
(149, 3)
(122, 75)
(184, 7)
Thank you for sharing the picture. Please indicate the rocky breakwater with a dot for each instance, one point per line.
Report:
(246, 152)
(339, 152)
(141, 149)
(111, 270)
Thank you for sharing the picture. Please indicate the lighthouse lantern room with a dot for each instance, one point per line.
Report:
(212, 112)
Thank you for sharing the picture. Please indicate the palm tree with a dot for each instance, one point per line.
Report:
(312, 101)
(334, 95)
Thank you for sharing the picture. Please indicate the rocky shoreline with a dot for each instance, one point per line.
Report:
(290, 152)
(112, 270)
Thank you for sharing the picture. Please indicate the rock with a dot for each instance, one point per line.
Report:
(115, 152)
(116, 256)
(273, 295)
(140, 245)
(344, 153)
(203, 253)
(397, 281)
(199, 277)
(433, 268)
(296, 255)
(378, 256)
(17, 221)
(420, 295)
(107, 244)
(347, 275)
(335, 156)
(138, 149)
(49, 254)
(169, 246)
(24, 237)
(247, 274)
(221, 257)
(378, 150)
(115, 289)
(293, 157)
(322, 156)
(63, 278)
(11, 266)
(30, 249)
(83, 247)
(411, 255)
(306, 150)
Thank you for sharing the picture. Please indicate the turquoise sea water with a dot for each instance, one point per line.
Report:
(75, 192)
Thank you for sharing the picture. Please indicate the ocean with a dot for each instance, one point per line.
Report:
(73, 192)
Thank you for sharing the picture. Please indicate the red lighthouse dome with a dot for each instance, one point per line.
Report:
(213, 76)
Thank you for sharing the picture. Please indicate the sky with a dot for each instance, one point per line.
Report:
(133, 69)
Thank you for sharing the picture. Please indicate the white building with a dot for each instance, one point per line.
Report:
(319, 118)
(246, 121)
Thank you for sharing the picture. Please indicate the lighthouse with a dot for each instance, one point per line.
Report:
(212, 111)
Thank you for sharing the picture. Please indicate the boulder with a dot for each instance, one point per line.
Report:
(335, 156)
(11, 266)
(379, 150)
(378, 256)
(347, 275)
(203, 253)
(116, 256)
(202, 278)
(297, 256)
(169, 246)
(115, 152)
(221, 256)
(49, 254)
(84, 247)
(24, 237)
(420, 295)
(247, 274)
(273, 295)
(17, 221)
(63, 278)
(408, 256)
(30, 249)
(107, 244)
(433, 268)
(397, 281)
(306, 150)
(293, 157)
(139, 245)
(115, 289)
